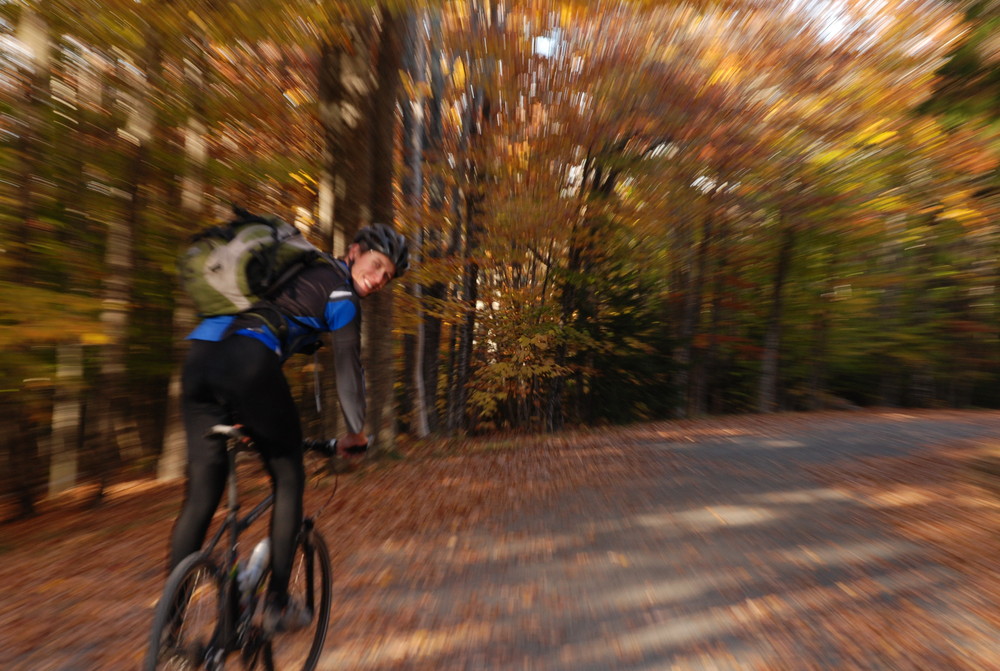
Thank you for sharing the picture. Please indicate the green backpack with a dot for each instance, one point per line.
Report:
(230, 267)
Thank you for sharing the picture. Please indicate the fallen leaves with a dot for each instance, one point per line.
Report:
(604, 549)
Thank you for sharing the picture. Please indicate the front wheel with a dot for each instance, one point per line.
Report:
(186, 620)
(310, 585)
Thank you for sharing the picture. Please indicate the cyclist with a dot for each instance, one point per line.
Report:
(233, 375)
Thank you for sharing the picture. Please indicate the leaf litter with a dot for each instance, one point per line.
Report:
(417, 544)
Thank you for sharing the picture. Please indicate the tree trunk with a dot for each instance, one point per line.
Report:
(413, 189)
(709, 393)
(890, 260)
(553, 413)
(433, 240)
(818, 363)
(682, 287)
(345, 91)
(66, 418)
(692, 317)
(117, 444)
(30, 111)
(20, 433)
(461, 369)
(380, 352)
(767, 398)
(452, 417)
(193, 204)
(466, 328)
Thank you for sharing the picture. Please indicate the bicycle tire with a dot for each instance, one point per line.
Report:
(182, 638)
(311, 584)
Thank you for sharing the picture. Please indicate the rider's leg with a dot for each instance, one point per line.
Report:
(264, 404)
(286, 518)
(207, 465)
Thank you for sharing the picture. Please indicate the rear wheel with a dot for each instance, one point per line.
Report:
(186, 619)
(311, 586)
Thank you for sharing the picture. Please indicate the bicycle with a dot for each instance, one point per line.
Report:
(210, 609)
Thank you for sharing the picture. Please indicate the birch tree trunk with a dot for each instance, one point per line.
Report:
(433, 242)
(173, 459)
(463, 331)
(116, 297)
(33, 33)
(413, 189)
(29, 114)
(331, 95)
(66, 418)
(116, 292)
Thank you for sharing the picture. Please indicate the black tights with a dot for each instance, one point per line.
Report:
(240, 380)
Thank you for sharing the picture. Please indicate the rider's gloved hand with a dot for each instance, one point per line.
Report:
(352, 444)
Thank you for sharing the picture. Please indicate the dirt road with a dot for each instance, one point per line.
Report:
(796, 542)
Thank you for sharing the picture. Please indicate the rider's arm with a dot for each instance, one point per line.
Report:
(344, 319)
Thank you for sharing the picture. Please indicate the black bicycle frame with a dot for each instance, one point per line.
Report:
(226, 634)
(232, 523)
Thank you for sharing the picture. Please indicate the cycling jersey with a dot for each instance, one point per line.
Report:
(319, 299)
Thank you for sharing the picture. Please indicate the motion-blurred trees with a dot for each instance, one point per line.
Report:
(619, 210)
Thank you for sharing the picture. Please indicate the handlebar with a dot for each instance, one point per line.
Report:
(241, 440)
(328, 448)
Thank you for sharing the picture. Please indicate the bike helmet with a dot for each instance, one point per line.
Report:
(383, 239)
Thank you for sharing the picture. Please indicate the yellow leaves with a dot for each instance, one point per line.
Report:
(829, 156)
(458, 74)
(888, 204)
(298, 96)
(519, 153)
(414, 90)
(882, 137)
(957, 198)
(303, 178)
(197, 20)
(94, 338)
(964, 215)
(566, 13)
(728, 70)
(875, 133)
(927, 133)
(54, 316)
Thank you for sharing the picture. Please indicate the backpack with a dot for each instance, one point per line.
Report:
(230, 267)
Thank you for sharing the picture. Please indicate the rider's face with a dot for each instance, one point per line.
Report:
(370, 271)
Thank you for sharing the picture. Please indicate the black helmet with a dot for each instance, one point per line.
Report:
(383, 239)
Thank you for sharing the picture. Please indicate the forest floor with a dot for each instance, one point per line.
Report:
(852, 540)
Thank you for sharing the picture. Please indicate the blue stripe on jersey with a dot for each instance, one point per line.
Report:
(339, 314)
(212, 328)
(296, 329)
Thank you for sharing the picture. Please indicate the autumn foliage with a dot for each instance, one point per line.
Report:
(618, 210)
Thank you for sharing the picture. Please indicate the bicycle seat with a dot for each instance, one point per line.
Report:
(238, 440)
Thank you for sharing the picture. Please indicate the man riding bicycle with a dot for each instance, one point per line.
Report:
(233, 375)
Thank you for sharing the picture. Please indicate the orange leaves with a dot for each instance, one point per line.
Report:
(585, 550)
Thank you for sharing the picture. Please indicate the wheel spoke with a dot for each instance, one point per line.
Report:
(186, 620)
(310, 585)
